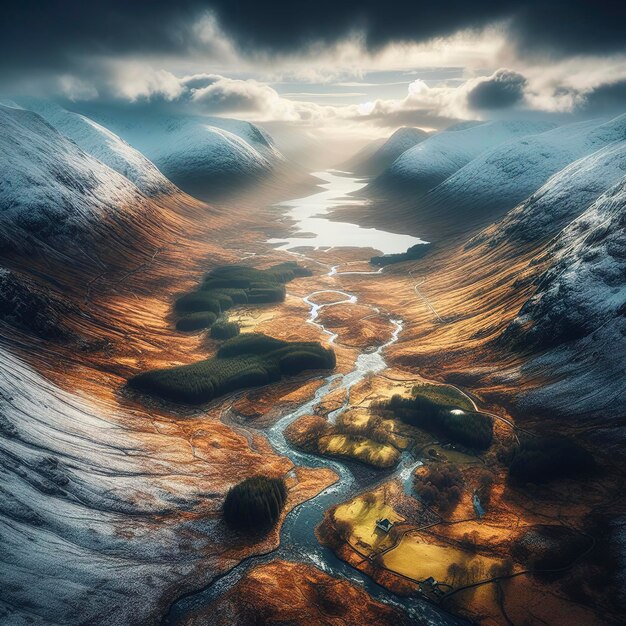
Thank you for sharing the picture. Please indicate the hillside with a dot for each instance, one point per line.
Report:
(196, 153)
(561, 199)
(499, 178)
(379, 155)
(575, 319)
(50, 189)
(103, 145)
(433, 160)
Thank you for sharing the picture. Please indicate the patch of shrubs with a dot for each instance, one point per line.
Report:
(413, 253)
(229, 285)
(549, 547)
(224, 330)
(483, 490)
(439, 485)
(470, 428)
(196, 321)
(245, 361)
(254, 505)
(543, 459)
(198, 301)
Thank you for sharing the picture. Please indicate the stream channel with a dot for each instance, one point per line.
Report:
(297, 538)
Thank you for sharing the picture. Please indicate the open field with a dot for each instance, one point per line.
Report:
(361, 449)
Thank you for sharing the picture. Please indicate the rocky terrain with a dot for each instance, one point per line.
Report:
(575, 317)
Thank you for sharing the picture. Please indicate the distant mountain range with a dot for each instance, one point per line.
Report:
(425, 165)
(199, 154)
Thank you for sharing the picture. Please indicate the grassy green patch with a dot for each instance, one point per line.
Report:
(244, 361)
(469, 428)
(444, 395)
(381, 455)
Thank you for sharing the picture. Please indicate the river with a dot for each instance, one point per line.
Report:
(297, 537)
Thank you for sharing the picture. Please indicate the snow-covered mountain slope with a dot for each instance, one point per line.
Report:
(430, 162)
(102, 144)
(501, 177)
(378, 156)
(100, 514)
(194, 148)
(563, 198)
(576, 320)
(50, 188)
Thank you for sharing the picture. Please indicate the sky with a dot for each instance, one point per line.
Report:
(334, 71)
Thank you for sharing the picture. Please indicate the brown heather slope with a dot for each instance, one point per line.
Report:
(290, 593)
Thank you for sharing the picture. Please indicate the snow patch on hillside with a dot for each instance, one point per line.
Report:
(104, 145)
(503, 176)
(433, 160)
(49, 187)
(563, 198)
(577, 315)
(88, 509)
(194, 147)
(378, 156)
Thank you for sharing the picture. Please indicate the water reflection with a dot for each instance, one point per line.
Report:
(317, 231)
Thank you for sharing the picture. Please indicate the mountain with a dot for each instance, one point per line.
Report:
(102, 144)
(501, 177)
(356, 161)
(433, 160)
(576, 319)
(81, 492)
(51, 189)
(561, 199)
(379, 155)
(195, 152)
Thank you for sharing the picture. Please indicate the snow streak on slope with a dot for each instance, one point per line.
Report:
(79, 497)
(50, 188)
(563, 198)
(103, 517)
(578, 315)
(104, 145)
(433, 160)
(501, 177)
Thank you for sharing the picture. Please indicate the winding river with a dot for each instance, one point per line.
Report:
(297, 537)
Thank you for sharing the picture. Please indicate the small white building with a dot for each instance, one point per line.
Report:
(384, 524)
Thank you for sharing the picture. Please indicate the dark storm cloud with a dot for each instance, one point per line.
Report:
(605, 100)
(504, 89)
(57, 34)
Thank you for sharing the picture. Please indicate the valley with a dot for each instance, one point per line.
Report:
(392, 403)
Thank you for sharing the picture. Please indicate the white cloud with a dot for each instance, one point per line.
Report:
(134, 81)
